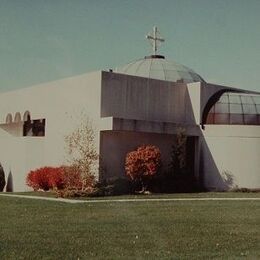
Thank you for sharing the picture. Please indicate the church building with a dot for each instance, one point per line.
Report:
(146, 101)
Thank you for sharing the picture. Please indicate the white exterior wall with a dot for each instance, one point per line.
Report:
(60, 103)
(19, 155)
(194, 92)
(138, 98)
(231, 157)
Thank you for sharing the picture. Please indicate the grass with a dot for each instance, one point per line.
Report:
(31, 229)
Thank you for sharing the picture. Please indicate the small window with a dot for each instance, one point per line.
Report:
(38, 127)
(34, 128)
(17, 117)
(26, 116)
(9, 119)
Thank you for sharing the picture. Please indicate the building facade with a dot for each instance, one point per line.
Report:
(144, 102)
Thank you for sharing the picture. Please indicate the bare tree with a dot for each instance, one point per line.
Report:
(82, 156)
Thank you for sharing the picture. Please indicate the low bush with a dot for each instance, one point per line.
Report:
(246, 190)
(73, 193)
(46, 178)
(112, 187)
(76, 184)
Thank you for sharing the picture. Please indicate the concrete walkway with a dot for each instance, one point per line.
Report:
(73, 201)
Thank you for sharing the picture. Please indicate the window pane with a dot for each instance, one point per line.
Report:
(210, 119)
(222, 119)
(223, 99)
(221, 108)
(235, 109)
(257, 99)
(236, 119)
(212, 110)
(258, 109)
(234, 99)
(251, 119)
(247, 100)
(249, 109)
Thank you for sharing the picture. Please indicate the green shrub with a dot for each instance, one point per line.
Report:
(73, 193)
(247, 190)
(112, 187)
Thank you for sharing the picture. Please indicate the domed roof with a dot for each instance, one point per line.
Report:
(157, 67)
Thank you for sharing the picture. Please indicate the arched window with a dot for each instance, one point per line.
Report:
(17, 117)
(27, 126)
(26, 116)
(33, 127)
(9, 119)
(235, 109)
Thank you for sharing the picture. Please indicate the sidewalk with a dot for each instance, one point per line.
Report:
(73, 201)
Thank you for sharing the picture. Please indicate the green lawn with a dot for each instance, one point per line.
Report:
(36, 229)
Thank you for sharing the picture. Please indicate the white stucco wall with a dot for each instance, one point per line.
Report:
(19, 155)
(194, 92)
(138, 98)
(60, 103)
(230, 157)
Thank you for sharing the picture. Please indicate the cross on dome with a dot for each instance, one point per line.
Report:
(155, 39)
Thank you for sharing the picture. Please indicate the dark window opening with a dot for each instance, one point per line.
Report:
(34, 127)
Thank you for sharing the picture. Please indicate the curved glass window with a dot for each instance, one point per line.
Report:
(235, 109)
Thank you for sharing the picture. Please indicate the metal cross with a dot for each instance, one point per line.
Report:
(155, 39)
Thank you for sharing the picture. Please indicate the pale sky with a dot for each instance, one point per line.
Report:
(45, 40)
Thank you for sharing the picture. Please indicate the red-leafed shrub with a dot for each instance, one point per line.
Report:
(143, 163)
(67, 181)
(56, 177)
(46, 178)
